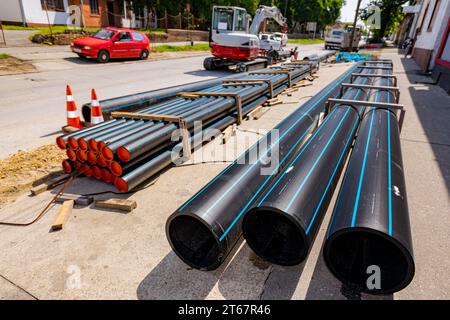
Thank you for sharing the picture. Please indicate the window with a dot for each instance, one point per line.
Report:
(124, 37)
(53, 5)
(223, 19)
(94, 6)
(241, 20)
(433, 15)
(103, 34)
(423, 18)
(137, 36)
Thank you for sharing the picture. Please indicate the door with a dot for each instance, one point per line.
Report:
(111, 20)
(121, 45)
(138, 44)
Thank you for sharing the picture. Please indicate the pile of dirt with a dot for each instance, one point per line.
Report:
(13, 65)
(25, 169)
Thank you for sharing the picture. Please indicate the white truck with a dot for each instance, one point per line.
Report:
(340, 39)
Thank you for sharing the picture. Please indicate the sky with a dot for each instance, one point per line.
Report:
(348, 11)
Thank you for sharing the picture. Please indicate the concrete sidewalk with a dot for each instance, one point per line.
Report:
(105, 255)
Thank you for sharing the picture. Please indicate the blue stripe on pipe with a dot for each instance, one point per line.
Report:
(363, 168)
(266, 181)
(350, 137)
(236, 219)
(296, 158)
(299, 154)
(282, 136)
(317, 160)
(389, 164)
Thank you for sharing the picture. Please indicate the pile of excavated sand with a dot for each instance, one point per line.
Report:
(24, 169)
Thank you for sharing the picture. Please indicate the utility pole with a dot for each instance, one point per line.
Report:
(285, 7)
(354, 23)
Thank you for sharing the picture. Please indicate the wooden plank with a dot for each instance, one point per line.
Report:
(69, 129)
(117, 204)
(255, 114)
(78, 199)
(63, 215)
(274, 103)
(49, 184)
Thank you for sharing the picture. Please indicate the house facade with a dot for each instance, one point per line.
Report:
(92, 13)
(432, 47)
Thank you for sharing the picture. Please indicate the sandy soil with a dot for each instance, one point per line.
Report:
(24, 169)
(15, 66)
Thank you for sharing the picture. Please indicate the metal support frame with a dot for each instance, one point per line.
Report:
(376, 105)
(287, 72)
(161, 117)
(237, 82)
(354, 75)
(395, 90)
(236, 96)
(375, 67)
(382, 61)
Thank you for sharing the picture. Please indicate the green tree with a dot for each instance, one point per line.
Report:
(391, 13)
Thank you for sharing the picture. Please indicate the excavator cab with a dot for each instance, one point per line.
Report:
(234, 41)
(229, 19)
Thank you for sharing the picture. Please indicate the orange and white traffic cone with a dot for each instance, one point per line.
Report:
(96, 110)
(73, 119)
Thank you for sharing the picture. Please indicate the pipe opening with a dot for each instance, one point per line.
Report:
(275, 237)
(82, 144)
(101, 161)
(121, 185)
(92, 144)
(349, 255)
(107, 153)
(71, 154)
(116, 168)
(123, 154)
(194, 242)
(72, 142)
(61, 143)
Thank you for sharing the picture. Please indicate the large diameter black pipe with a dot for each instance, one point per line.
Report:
(370, 226)
(283, 223)
(204, 230)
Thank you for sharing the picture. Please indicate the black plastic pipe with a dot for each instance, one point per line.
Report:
(370, 222)
(142, 142)
(140, 100)
(138, 172)
(203, 231)
(283, 223)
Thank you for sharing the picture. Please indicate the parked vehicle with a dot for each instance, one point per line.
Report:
(282, 37)
(110, 43)
(269, 42)
(235, 43)
(340, 39)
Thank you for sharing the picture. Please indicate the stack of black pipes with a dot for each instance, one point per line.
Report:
(206, 228)
(127, 152)
(280, 213)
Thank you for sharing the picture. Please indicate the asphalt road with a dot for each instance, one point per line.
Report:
(32, 106)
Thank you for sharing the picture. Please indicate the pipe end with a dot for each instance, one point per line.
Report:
(275, 236)
(354, 254)
(194, 242)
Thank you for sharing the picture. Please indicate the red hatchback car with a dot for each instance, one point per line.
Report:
(110, 43)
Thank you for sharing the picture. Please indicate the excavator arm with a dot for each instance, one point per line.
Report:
(264, 13)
